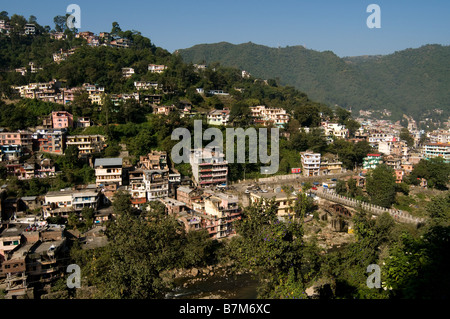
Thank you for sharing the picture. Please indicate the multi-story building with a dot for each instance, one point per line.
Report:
(285, 202)
(87, 144)
(371, 161)
(19, 138)
(218, 117)
(154, 68)
(62, 119)
(335, 129)
(155, 160)
(209, 168)
(330, 167)
(156, 184)
(137, 188)
(376, 138)
(189, 195)
(140, 85)
(10, 152)
(60, 203)
(225, 209)
(108, 171)
(310, 163)
(127, 72)
(269, 116)
(432, 150)
(35, 261)
(393, 162)
(50, 140)
(83, 122)
(10, 239)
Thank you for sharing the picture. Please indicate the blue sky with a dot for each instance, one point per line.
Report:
(336, 25)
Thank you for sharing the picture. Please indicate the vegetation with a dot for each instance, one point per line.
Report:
(394, 82)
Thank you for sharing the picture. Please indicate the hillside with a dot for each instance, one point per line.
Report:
(408, 81)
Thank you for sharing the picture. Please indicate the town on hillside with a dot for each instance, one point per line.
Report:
(64, 178)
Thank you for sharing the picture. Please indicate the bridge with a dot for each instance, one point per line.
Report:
(342, 204)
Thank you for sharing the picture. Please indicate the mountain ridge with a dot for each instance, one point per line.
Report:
(406, 82)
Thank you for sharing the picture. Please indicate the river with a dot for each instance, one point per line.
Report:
(217, 287)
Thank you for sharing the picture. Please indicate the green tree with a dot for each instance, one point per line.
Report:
(407, 137)
(380, 186)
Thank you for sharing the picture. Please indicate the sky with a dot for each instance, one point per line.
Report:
(336, 25)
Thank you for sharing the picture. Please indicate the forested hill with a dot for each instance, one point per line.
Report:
(408, 81)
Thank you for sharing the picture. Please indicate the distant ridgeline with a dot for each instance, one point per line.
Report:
(413, 81)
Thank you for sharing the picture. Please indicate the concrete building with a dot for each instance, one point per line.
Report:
(87, 144)
(285, 202)
(225, 209)
(50, 140)
(269, 116)
(432, 150)
(154, 68)
(371, 161)
(156, 184)
(218, 117)
(62, 119)
(155, 160)
(209, 168)
(310, 163)
(108, 171)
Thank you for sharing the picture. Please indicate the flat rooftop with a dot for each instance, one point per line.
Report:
(108, 162)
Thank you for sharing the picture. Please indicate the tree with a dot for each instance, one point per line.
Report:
(116, 30)
(60, 23)
(270, 248)
(380, 185)
(435, 170)
(406, 136)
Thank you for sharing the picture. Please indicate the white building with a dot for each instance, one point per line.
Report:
(154, 68)
(108, 171)
(310, 163)
(218, 117)
(266, 116)
(156, 184)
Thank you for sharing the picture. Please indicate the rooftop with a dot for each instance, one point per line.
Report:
(108, 162)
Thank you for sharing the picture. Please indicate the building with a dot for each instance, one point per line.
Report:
(310, 163)
(61, 203)
(87, 144)
(209, 168)
(156, 184)
(24, 139)
(155, 160)
(218, 117)
(371, 161)
(174, 207)
(140, 85)
(285, 202)
(136, 187)
(127, 72)
(83, 122)
(189, 195)
(108, 171)
(50, 141)
(393, 162)
(225, 209)
(433, 150)
(335, 129)
(330, 167)
(62, 119)
(10, 152)
(269, 116)
(154, 68)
